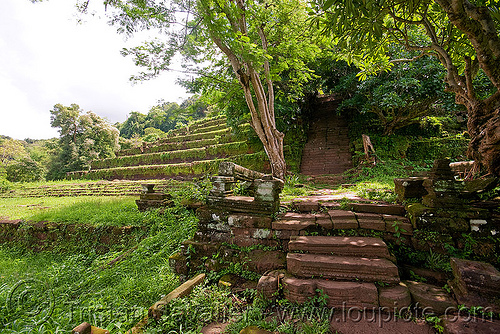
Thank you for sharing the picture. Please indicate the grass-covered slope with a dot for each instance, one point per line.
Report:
(185, 153)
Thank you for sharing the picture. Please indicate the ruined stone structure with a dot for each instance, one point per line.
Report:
(320, 247)
(449, 206)
(149, 199)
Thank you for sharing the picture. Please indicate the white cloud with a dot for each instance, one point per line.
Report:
(47, 58)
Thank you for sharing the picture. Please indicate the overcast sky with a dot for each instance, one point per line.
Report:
(47, 58)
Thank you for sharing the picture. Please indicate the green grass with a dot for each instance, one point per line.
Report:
(83, 288)
(97, 211)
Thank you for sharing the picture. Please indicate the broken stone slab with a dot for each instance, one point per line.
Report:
(269, 283)
(340, 294)
(349, 294)
(299, 216)
(476, 284)
(343, 219)
(156, 311)
(411, 187)
(294, 225)
(431, 297)
(394, 297)
(243, 204)
(459, 324)
(388, 209)
(324, 221)
(261, 261)
(249, 221)
(371, 221)
(306, 206)
(342, 267)
(341, 246)
(298, 290)
(475, 276)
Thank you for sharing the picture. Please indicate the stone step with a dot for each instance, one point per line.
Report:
(340, 294)
(340, 246)
(342, 268)
(387, 209)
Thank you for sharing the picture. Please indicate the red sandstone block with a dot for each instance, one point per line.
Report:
(394, 297)
(296, 225)
(306, 206)
(342, 267)
(298, 290)
(389, 209)
(298, 216)
(371, 221)
(349, 294)
(341, 246)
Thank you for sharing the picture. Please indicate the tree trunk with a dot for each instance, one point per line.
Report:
(484, 128)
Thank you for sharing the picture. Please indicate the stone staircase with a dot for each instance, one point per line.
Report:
(344, 268)
(327, 149)
(185, 153)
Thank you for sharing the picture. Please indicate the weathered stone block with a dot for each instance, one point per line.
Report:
(392, 297)
(268, 190)
(298, 290)
(341, 246)
(255, 233)
(411, 187)
(388, 209)
(343, 219)
(294, 225)
(370, 221)
(243, 220)
(349, 294)
(268, 285)
(431, 297)
(342, 267)
(478, 277)
(306, 206)
(459, 324)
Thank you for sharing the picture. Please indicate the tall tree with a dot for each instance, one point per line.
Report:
(258, 39)
(83, 138)
(462, 34)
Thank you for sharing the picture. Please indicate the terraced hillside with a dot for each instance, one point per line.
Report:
(192, 151)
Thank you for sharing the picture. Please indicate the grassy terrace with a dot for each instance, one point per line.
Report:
(185, 170)
(199, 153)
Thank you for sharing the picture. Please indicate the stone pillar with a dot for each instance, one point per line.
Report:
(222, 186)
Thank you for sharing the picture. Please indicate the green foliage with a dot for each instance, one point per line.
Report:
(25, 170)
(83, 137)
(203, 306)
(163, 117)
(402, 96)
(97, 211)
(85, 288)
